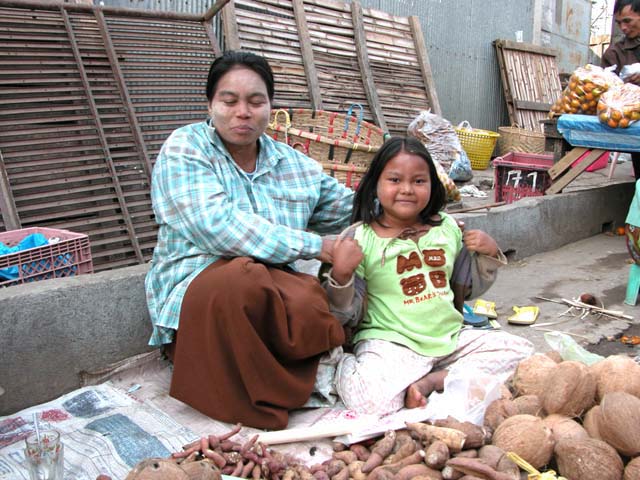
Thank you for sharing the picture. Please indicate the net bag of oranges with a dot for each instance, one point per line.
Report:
(583, 91)
(619, 106)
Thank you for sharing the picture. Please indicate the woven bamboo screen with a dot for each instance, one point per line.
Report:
(87, 96)
(530, 80)
(330, 55)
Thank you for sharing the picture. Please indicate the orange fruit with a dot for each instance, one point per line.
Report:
(616, 114)
(635, 115)
(612, 123)
(604, 117)
(623, 123)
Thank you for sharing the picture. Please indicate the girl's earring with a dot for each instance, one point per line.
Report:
(377, 208)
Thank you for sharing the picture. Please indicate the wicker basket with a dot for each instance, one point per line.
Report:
(315, 134)
(521, 140)
(478, 144)
(349, 175)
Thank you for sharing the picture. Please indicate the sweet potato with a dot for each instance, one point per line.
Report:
(476, 436)
(406, 448)
(355, 470)
(472, 466)
(491, 455)
(380, 451)
(347, 456)
(437, 455)
(471, 453)
(361, 451)
(449, 473)
(411, 471)
(334, 466)
(342, 474)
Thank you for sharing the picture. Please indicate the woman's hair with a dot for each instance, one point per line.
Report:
(234, 58)
(364, 203)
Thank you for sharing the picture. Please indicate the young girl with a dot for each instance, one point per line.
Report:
(401, 282)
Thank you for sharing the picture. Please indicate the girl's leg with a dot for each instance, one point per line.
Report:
(494, 353)
(375, 378)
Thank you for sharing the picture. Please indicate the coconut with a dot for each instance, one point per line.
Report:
(619, 422)
(632, 470)
(531, 373)
(498, 411)
(563, 427)
(616, 373)
(554, 355)
(570, 389)
(529, 405)
(591, 422)
(526, 436)
(588, 459)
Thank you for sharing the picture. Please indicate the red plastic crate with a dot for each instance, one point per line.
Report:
(69, 256)
(518, 175)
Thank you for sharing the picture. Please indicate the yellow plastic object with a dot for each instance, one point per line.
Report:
(524, 315)
(486, 308)
(533, 474)
(477, 143)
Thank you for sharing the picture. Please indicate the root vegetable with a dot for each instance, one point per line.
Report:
(321, 475)
(450, 473)
(509, 467)
(380, 451)
(334, 466)
(591, 421)
(347, 456)
(619, 422)
(476, 436)
(355, 470)
(491, 455)
(342, 474)
(411, 471)
(455, 439)
(406, 449)
(437, 455)
(361, 451)
(472, 453)
(472, 466)
(616, 373)
(202, 470)
(529, 405)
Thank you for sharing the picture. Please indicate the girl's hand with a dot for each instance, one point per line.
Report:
(480, 242)
(347, 255)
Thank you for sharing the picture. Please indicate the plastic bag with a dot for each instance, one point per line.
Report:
(453, 194)
(619, 106)
(582, 93)
(465, 396)
(628, 70)
(438, 135)
(569, 349)
(461, 168)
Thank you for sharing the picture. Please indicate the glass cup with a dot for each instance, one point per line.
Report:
(44, 458)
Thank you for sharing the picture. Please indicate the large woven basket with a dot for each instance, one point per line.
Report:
(328, 137)
(477, 143)
(522, 140)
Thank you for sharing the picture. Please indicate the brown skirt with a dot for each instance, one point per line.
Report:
(250, 337)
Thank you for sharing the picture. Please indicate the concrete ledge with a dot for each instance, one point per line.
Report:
(55, 329)
(540, 224)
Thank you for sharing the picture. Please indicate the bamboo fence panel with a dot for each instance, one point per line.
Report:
(530, 80)
(87, 96)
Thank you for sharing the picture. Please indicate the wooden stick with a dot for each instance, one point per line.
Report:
(471, 209)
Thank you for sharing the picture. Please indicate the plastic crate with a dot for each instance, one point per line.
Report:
(519, 175)
(70, 255)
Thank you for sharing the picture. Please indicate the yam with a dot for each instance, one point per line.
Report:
(531, 373)
(437, 455)
(570, 389)
(380, 451)
(616, 373)
(526, 436)
(455, 439)
(411, 471)
(588, 458)
(491, 455)
(619, 422)
(476, 436)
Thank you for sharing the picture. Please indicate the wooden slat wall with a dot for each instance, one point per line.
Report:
(530, 80)
(87, 96)
(393, 89)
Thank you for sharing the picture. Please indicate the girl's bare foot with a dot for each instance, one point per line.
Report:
(418, 392)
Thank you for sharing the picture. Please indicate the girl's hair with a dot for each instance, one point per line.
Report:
(234, 58)
(364, 203)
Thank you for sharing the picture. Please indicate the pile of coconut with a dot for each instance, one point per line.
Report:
(583, 421)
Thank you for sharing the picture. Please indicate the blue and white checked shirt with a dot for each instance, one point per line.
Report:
(208, 208)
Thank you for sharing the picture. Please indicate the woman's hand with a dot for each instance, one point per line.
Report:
(347, 255)
(480, 242)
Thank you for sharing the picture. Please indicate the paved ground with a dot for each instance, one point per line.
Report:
(597, 265)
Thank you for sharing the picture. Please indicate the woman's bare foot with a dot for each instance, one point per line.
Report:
(418, 392)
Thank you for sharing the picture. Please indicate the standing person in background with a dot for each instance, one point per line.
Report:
(627, 50)
(235, 208)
